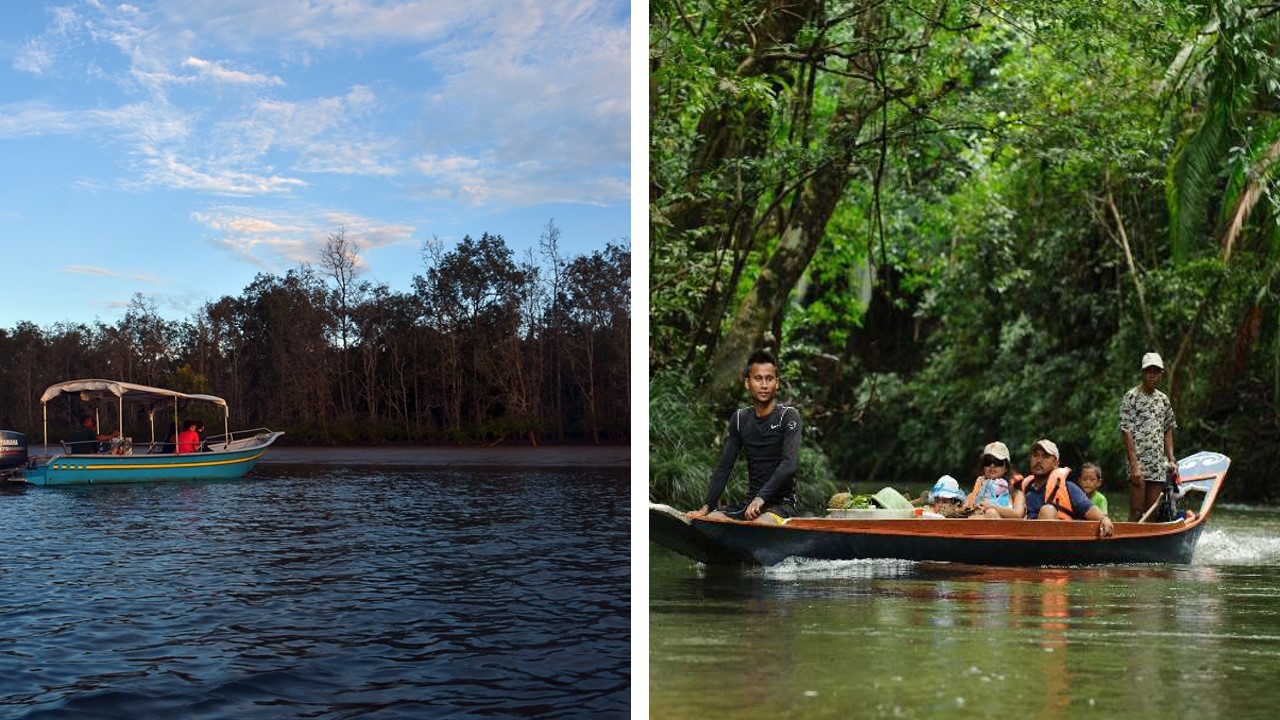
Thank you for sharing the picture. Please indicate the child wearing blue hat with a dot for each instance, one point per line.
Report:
(945, 499)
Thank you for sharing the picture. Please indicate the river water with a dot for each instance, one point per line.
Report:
(888, 639)
(311, 591)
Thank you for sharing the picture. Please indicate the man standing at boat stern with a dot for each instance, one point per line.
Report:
(769, 435)
(1146, 424)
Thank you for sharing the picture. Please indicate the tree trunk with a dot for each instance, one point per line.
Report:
(766, 303)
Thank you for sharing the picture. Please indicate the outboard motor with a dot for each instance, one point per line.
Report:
(1168, 509)
(13, 450)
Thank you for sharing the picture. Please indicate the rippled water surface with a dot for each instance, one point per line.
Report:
(319, 593)
(892, 639)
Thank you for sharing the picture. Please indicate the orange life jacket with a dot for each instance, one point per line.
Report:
(1055, 491)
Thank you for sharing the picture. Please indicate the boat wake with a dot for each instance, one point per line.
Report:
(1237, 547)
(868, 569)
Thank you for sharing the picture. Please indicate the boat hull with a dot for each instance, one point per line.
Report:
(721, 541)
(753, 544)
(671, 529)
(85, 469)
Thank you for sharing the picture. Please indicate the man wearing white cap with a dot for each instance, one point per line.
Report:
(1051, 496)
(1146, 424)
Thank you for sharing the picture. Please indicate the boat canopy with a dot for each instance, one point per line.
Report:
(123, 392)
(89, 390)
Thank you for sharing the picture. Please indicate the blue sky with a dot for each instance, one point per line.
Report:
(176, 149)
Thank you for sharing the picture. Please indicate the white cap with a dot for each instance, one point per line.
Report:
(997, 450)
(1152, 360)
(1049, 447)
(946, 487)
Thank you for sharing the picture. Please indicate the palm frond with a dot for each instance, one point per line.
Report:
(1241, 205)
(1192, 184)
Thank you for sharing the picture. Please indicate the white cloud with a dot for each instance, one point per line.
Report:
(168, 170)
(35, 58)
(32, 119)
(180, 303)
(327, 134)
(553, 118)
(517, 103)
(366, 233)
(433, 165)
(136, 125)
(276, 240)
(218, 73)
(39, 54)
(344, 157)
(113, 274)
(246, 24)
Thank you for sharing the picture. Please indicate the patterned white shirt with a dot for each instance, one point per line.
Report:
(1146, 418)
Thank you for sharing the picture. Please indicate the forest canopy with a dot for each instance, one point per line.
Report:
(958, 222)
(484, 347)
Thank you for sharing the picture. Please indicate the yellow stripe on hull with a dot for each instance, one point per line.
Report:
(62, 465)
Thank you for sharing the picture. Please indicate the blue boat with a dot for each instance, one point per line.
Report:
(230, 455)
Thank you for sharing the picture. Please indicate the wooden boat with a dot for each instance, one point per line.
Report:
(230, 455)
(971, 541)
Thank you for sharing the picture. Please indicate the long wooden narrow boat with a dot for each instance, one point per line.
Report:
(972, 541)
(230, 455)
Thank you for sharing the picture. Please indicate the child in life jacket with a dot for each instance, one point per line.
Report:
(997, 488)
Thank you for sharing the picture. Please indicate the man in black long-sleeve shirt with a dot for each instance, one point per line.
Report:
(769, 434)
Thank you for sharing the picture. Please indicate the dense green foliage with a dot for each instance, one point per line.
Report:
(482, 349)
(959, 222)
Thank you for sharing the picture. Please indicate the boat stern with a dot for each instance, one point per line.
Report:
(13, 455)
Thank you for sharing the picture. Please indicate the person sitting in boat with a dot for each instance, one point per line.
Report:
(188, 439)
(1050, 495)
(945, 500)
(1090, 481)
(170, 443)
(768, 433)
(86, 438)
(204, 438)
(997, 492)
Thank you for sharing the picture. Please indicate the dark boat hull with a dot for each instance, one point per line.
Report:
(764, 545)
(677, 533)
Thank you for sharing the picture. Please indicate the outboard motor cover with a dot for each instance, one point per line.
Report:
(13, 449)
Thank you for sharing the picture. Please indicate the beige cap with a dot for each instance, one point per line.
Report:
(997, 450)
(1152, 360)
(1048, 446)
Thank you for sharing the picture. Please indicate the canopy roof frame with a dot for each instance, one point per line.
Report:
(97, 389)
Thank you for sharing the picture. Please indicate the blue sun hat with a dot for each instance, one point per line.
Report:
(945, 488)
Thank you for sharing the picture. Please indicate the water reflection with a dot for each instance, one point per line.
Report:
(323, 594)
(901, 639)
